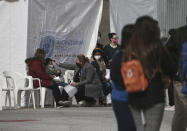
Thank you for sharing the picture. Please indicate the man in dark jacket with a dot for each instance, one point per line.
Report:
(174, 45)
(110, 49)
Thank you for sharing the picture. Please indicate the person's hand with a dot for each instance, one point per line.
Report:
(56, 62)
(110, 61)
(91, 59)
(74, 84)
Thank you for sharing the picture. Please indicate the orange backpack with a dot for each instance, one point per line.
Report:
(133, 76)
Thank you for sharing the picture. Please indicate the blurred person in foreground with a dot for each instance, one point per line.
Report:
(119, 95)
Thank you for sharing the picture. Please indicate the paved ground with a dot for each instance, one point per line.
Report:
(65, 119)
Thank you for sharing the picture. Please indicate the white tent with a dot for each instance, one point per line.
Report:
(25, 23)
(69, 22)
(65, 28)
(13, 35)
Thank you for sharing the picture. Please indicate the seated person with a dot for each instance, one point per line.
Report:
(98, 63)
(66, 66)
(56, 73)
(36, 69)
(90, 86)
(59, 78)
(100, 67)
(50, 69)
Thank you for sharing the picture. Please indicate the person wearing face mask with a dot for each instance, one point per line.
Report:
(90, 86)
(100, 67)
(50, 69)
(110, 49)
(98, 63)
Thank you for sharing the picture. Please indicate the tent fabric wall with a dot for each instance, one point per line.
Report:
(13, 38)
(169, 13)
(13, 35)
(63, 29)
(84, 18)
(124, 12)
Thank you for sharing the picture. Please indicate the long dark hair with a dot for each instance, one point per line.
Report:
(126, 34)
(146, 44)
(40, 54)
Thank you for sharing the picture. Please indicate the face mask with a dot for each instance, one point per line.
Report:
(50, 66)
(97, 57)
(79, 65)
(115, 41)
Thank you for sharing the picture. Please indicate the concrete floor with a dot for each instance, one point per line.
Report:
(65, 119)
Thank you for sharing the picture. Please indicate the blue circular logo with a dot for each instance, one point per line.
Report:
(47, 44)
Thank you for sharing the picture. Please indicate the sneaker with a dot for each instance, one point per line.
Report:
(90, 104)
(64, 103)
(170, 108)
(81, 103)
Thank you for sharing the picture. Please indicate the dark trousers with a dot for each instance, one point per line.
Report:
(123, 115)
(80, 95)
(179, 121)
(57, 94)
(171, 94)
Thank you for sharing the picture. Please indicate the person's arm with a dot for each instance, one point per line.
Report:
(67, 66)
(168, 65)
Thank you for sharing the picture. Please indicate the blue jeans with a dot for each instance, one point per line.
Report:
(123, 115)
(152, 116)
(63, 84)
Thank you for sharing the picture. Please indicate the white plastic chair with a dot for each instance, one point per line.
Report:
(8, 90)
(17, 90)
(42, 93)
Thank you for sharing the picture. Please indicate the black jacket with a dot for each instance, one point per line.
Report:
(174, 45)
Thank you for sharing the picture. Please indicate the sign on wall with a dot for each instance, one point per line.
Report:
(63, 28)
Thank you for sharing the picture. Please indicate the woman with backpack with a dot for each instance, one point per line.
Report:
(147, 106)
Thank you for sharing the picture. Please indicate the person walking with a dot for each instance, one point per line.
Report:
(148, 106)
(120, 104)
(174, 45)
